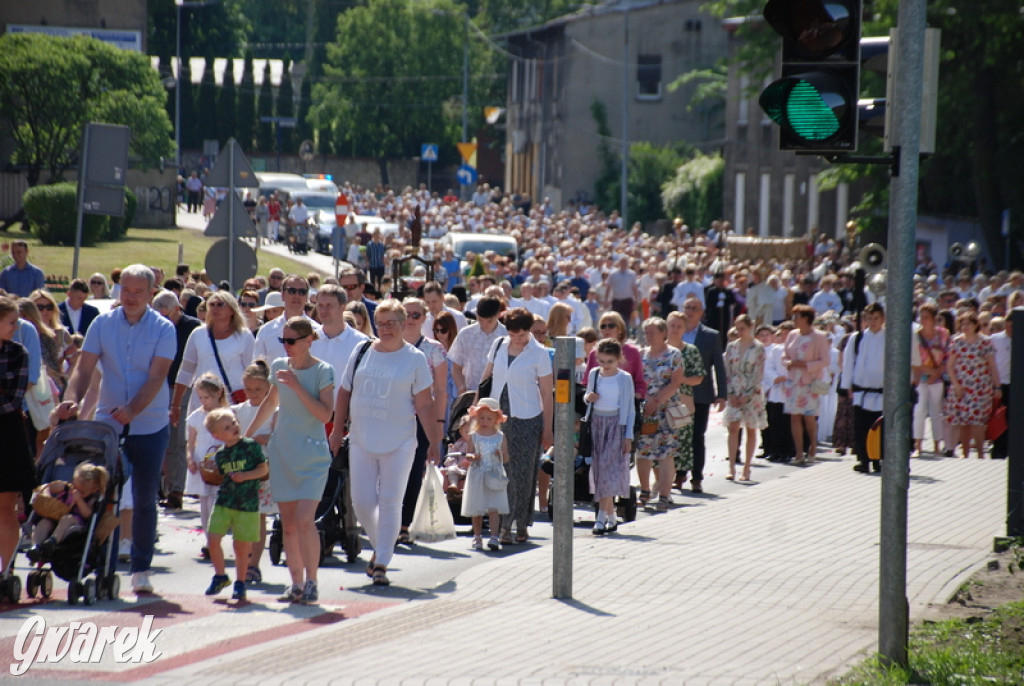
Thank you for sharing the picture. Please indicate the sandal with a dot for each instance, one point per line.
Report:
(506, 537)
(404, 538)
(380, 576)
(522, 536)
(644, 498)
(370, 565)
(663, 504)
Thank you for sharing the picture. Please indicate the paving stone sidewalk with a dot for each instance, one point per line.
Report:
(775, 584)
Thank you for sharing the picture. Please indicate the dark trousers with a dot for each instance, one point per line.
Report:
(625, 308)
(778, 437)
(1000, 447)
(863, 420)
(419, 465)
(701, 412)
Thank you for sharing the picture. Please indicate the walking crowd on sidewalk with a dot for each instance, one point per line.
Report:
(405, 368)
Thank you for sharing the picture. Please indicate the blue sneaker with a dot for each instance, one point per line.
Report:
(218, 584)
(239, 593)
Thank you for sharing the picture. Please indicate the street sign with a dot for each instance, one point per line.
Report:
(428, 152)
(219, 225)
(466, 175)
(230, 158)
(467, 150)
(243, 256)
(107, 159)
(107, 200)
(341, 209)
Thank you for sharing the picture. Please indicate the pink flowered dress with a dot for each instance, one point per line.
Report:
(744, 372)
(971, 369)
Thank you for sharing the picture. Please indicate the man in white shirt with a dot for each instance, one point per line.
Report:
(1003, 343)
(294, 293)
(337, 339)
(580, 312)
(863, 376)
(532, 304)
(433, 296)
(469, 351)
(687, 287)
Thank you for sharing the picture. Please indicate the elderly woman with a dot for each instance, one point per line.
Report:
(520, 369)
(303, 391)
(664, 372)
(385, 389)
(693, 376)
(806, 354)
(612, 325)
(223, 347)
(415, 315)
(98, 287)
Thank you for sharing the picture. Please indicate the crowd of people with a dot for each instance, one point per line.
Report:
(668, 329)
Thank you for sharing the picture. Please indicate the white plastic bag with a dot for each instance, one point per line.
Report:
(41, 399)
(432, 521)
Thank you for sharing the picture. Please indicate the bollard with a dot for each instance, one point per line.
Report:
(565, 453)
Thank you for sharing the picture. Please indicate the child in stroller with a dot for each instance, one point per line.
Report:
(455, 462)
(81, 495)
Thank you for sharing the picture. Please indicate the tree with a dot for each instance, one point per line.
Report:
(304, 129)
(206, 104)
(50, 87)
(286, 108)
(246, 103)
(188, 135)
(218, 27)
(265, 108)
(393, 74)
(694, 193)
(227, 125)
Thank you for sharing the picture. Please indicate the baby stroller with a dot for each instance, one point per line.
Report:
(625, 507)
(334, 519)
(460, 408)
(85, 558)
(299, 236)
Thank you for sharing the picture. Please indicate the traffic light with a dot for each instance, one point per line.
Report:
(815, 101)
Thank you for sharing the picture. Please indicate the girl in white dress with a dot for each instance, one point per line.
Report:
(201, 443)
(486, 482)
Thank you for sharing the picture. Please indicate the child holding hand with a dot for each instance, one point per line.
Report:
(486, 482)
(242, 463)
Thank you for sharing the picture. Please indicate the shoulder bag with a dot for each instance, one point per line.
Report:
(485, 387)
(236, 396)
(585, 443)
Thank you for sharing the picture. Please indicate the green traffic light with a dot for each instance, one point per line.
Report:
(809, 115)
(810, 107)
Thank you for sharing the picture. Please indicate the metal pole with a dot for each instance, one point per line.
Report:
(565, 453)
(893, 609)
(83, 164)
(623, 190)
(177, 97)
(465, 79)
(231, 214)
(1015, 420)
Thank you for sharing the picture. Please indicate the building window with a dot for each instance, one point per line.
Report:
(648, 77)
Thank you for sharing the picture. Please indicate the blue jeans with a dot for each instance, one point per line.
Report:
(145, 453)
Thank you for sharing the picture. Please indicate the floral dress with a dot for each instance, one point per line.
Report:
(744, 372)
(663, 443)
(693, 365)
(971, 370)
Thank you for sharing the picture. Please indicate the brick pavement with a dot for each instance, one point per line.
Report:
(774, 584)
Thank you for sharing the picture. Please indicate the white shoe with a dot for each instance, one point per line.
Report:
(124, 550)
(141, 583)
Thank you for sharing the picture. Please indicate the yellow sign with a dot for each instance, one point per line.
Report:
(562, 391)
(467, 150)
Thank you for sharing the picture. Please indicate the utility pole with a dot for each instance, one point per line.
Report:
(624, 174)
(893, 608)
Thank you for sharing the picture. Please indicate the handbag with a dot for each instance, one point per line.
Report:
(496, 479)
(997, 421)
(485, 387)
(236, 396)
(432, 519)
(678, 416)
(650, 425)
(820, 387)
(41, 400)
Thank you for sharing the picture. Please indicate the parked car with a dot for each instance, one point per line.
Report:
(460, 243)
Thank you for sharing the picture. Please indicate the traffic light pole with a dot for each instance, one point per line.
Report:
(893, 608)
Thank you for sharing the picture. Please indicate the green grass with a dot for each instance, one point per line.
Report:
(957, 653)
(156, 247)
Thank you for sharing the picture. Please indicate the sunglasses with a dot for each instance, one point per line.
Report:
(609, 326)
(291, 290)
(276, 278)
(216, 303)
(97, 283)
(247, 305)
(413, 315)
(350, 287)
(291, 341)
(48, 307)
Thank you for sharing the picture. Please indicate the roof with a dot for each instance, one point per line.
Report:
(590, 11)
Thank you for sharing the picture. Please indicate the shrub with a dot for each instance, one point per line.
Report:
(51, 211)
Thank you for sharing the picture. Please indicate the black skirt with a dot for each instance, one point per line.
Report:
(18, 471)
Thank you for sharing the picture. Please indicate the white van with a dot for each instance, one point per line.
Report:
(460, 242)
(277, 181)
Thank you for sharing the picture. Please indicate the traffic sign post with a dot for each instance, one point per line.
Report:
(102, 168)
(232, 171)
(466, 175)
(428, 153)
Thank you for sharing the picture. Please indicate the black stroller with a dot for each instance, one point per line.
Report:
(624, 506)
(335, 520)
(460, 408)
(85, 559)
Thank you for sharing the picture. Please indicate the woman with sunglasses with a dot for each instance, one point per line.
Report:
(612, 325)
(98, 287)
(67, 351)
(222, 347)
(302, 391)
(385, 388)
(445, 332)
(248, 301)
(51, 356)
(415, 315)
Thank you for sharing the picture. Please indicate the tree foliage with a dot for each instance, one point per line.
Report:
(265, 108)
(392, 72)
(246, 116)
(286, 108)
(206, 103)
(694, 193)
(50, 87)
